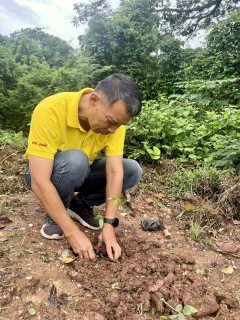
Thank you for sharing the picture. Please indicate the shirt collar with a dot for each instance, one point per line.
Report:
(72, 116)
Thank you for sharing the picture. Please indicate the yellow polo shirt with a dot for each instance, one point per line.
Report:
(55, 127)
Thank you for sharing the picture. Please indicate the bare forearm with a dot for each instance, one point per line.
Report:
(113, 193)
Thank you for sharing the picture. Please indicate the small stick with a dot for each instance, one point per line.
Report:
(129, 202)
(23, 241)
(13, 154)
(168, 305)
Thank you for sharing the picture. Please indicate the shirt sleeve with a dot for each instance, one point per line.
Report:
(115, 142)
(44, 134)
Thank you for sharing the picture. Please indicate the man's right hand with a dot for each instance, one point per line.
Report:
(80, 244)
(41, 170)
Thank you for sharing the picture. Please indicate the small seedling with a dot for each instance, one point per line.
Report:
(196, 230)
(182, 312)
(116, 200)
(152, 311)
(15, 234)
(201, 271)
(100, 219)
(209, 242)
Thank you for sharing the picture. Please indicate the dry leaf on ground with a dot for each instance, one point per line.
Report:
(228, 270)
(159, 195)
(227, 247)
(189, 207)
(66, 260)
(149, 200)
(236, 221)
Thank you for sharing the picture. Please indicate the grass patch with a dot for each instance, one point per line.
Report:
(177, 178)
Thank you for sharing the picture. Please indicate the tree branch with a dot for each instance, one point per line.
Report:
(209, 13)
(198, 8)
(195, 27)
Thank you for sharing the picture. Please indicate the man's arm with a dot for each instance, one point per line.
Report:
(41, 171)
(114, 177)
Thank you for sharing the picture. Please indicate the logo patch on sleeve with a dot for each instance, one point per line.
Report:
(40, 144)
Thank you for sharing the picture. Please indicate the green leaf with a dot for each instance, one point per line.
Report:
(185, 113)
(179, 308)
(187, 310)
(155, 157)
(175, 316)
(101, 223)
(157, 152)
(181, 316)
(150, 151)
(192, 156)
(32, 311)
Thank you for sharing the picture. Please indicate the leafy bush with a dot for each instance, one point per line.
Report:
(211, 93)
(226, 152)
(180, 129)
(12, 139)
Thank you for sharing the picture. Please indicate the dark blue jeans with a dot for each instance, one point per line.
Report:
(72, 173)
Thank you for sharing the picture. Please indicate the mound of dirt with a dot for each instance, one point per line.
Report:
(143, 280)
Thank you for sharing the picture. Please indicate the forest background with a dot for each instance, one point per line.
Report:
(191, 97)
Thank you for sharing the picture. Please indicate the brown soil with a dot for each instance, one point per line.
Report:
(157, 269)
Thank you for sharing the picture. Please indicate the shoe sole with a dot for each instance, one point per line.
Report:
(54, 236)
(79, 219)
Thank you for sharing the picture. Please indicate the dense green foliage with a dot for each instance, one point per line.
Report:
(191, 96)
(183, 129)
(129, 40)
(35, 65)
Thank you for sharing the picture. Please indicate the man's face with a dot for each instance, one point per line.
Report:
(105, 119)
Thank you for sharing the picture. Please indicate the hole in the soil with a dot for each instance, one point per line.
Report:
(101, 254)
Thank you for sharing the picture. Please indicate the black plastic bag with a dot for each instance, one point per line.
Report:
(152, 225)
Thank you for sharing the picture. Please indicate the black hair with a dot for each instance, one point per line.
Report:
(121, 87)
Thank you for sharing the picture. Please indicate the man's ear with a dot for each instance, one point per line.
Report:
(94, 98)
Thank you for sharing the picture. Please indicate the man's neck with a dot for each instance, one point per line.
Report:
(82, 105)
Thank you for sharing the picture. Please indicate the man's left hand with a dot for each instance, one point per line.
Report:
(108, 237)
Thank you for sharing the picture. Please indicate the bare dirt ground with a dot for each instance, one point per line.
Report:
(157, 271)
